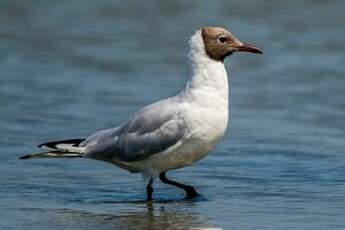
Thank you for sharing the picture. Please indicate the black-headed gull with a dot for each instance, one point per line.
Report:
(174, 132)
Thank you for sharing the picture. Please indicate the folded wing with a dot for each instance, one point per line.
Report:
(151, 131)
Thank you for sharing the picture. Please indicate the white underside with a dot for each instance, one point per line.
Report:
(203, 104)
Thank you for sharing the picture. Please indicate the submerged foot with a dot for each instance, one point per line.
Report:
(191, 194)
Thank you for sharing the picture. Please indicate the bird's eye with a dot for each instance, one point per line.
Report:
(222, 39)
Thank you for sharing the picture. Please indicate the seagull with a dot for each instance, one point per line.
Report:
(171, 133)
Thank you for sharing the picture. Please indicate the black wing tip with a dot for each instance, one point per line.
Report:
(25, 157)
(52, 144)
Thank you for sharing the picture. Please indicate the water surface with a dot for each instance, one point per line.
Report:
(69, 68)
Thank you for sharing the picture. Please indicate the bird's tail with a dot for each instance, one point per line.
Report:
(65, 148)
(50, 154)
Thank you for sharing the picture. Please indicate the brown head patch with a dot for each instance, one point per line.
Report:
(219, 42)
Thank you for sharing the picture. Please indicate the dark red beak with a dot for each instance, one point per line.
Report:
(249, 48)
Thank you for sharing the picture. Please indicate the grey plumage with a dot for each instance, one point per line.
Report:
(174, 132)
(150, 131)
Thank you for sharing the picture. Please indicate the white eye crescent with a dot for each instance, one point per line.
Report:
(222, 39)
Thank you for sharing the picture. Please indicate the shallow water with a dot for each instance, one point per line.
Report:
(69, 68)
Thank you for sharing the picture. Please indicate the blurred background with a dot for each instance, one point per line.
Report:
(69, 68)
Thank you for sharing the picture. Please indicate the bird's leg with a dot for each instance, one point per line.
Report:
(149, 190)
(190, 191)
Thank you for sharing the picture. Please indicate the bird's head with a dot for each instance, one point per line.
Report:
(219, 43)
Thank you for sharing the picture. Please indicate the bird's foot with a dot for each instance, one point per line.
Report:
(192, 194)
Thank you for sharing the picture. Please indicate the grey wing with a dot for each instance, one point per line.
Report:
(149, 132)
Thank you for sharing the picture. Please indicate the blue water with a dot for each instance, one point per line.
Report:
(69, 68)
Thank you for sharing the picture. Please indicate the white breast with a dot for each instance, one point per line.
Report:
(206, 94)
(204, 106)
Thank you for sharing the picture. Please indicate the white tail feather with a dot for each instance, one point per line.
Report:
(51, 154)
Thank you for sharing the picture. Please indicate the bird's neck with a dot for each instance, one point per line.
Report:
(208, 79)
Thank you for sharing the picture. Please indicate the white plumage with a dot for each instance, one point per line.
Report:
(197, 116)
(174, 132)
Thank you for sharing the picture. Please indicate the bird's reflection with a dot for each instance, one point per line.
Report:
(155, 215)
